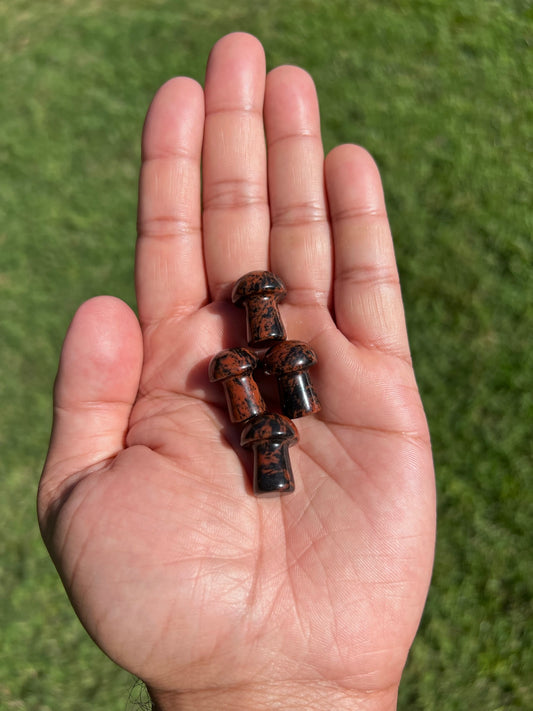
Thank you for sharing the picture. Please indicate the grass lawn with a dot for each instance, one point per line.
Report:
(440, 92)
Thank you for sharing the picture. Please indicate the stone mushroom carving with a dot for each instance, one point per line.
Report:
(234, 369)
(289, 361)
(259, 294)
(270, 436)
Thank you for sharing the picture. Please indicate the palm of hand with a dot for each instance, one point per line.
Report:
(180, 574)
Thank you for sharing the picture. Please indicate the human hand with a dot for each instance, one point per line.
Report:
(215, 598)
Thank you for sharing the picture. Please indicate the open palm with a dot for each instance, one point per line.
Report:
(177, 571)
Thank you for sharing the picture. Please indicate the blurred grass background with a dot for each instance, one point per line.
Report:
(440, 92)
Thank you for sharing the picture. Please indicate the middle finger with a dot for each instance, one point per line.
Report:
(235, 200)
(300, 248)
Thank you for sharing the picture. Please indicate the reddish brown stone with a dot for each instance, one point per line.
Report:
(234, 368)
(259, 294)
(270, 436)
(289, 362)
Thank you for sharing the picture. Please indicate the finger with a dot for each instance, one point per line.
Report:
(235, 203)
(368, 301)
(95, 389)
(300, 237)
(170, 276)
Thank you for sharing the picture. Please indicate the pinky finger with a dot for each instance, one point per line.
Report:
(367, 295)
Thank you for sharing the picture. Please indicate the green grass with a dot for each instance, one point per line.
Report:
(439, 91)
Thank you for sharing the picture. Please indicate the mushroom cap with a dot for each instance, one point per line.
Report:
(257, 283)
(269, 426)
(231, 362)
(288, 357)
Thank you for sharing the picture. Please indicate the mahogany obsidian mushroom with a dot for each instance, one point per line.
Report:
(259, 293)
(270, 436)
(289, 361)
(234, 368)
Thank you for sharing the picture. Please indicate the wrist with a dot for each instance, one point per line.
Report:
(283, 697)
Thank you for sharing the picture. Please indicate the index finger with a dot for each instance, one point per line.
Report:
(236, 219)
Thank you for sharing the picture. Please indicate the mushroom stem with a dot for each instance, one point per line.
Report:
(259, 293)
(263, 320)
(234, 369)
(297, 394)
(272, 468)
(242, 397)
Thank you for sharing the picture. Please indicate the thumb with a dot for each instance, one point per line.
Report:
(95, 389)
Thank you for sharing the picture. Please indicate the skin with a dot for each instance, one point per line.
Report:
(215, 598)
